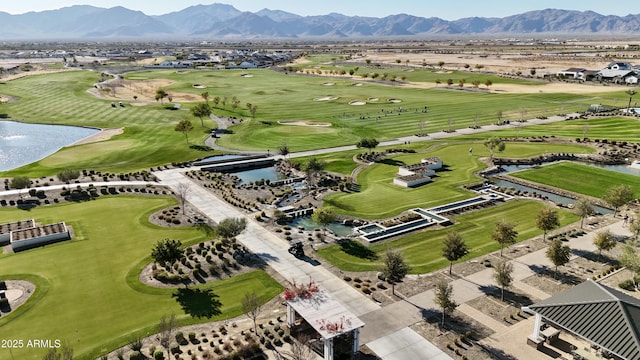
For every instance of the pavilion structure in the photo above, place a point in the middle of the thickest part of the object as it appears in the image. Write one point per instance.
(330, 327)
(607, 318)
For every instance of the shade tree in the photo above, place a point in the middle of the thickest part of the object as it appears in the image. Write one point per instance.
(547, 220)
(559, 254)
(444, 299)
(454, 248)
(231, 227)
(583, 208)
(617, 196)
(504, 233)
(201, 111)
(503, 274)
(394, 268)
(184, 126)
(324, 216)
(604, 240)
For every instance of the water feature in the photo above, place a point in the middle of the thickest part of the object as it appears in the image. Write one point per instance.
(266, 173)
(308, 224)
(625, 169)
(551, 196)
(222, 157)
(22, 143)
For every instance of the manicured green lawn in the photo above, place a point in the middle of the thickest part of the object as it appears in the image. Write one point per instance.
(150, 139)
(380, 198)
(610, 128)
(423, 250)
(582, 179)
(88, 288)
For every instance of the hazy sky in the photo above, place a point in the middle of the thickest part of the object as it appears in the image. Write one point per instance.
(449, 10)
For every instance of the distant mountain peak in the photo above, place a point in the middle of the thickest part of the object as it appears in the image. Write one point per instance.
(223, 20)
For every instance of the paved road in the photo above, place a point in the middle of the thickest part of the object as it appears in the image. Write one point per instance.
(274, 252)
(222, 124)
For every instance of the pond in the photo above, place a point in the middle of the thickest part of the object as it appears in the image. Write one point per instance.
(22, 143)
(309, 225)
(551, 196)
(625, 169)
(267, 173)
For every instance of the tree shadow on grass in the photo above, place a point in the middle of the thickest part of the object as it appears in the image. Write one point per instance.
(392, 162)
(198, 303)
(356, 249)
(338, 205)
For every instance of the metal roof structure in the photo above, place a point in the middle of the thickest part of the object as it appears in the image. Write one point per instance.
(601, 315)
(325, 314)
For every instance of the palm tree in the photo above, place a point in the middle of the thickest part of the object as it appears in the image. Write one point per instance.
(630, 92)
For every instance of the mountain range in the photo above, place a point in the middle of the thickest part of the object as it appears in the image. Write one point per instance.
(224, 22)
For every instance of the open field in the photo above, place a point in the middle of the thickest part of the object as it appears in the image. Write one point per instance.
(574, 177)
(422, 250)
(88, 288)
(380, 198)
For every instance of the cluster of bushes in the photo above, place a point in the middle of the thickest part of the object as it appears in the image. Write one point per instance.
(567, 234)
(199, 261)
(167, 277)
(401, 219)
(366, 285)
(608, 271)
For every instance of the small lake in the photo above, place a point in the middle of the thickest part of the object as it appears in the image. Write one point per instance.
(22, 144)
(253, 175)
(309, 225)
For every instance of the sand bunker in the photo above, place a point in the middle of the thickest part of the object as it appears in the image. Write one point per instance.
(328, 84)
(357, 102)
(326, 98)
(303, 123)
(199, 86)
(356, 84)
(395, 101)
(182, 72)
(104, 134)
(372, 99)
(246, 75)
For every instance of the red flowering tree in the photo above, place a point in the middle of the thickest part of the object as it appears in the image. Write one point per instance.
(301, 291)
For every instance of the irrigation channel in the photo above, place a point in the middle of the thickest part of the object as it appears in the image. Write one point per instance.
(557, 198)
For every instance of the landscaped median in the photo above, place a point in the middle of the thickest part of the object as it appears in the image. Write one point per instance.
(87, 289)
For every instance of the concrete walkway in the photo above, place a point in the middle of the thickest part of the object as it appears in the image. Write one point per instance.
(273, 251)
